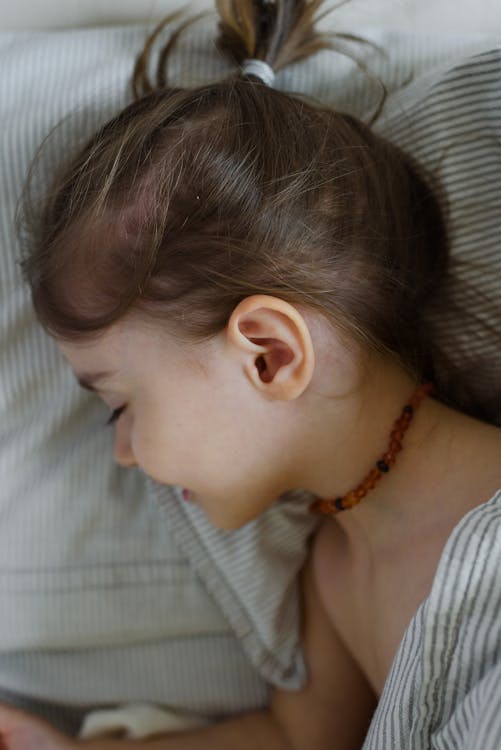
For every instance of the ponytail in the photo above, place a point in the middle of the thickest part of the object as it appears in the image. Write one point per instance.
(276, 32)
(279, 33)
(141, 82)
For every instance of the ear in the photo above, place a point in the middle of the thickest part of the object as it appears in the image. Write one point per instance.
(274, 342)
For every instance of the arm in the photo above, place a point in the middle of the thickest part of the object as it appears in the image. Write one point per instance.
(333, 710)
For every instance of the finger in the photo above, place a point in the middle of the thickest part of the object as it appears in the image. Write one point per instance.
(21, 731)
(11, 717)
(14, 719)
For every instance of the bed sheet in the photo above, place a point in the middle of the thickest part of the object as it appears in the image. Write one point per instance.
(403, 15)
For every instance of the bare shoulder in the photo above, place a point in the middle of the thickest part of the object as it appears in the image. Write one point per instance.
(348, 588)
(334, 568)
(370, 594)
(330, 555)
(337, 701)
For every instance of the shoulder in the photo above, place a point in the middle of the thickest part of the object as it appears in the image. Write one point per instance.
(447, 672)
(337, 700)
(340, 587)
(466, 594)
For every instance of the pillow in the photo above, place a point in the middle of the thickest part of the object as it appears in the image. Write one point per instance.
(112, 588)
(453, 128)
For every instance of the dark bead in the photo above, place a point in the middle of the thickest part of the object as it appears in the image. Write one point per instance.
(408, 409)
(382, 466)
(339, 503)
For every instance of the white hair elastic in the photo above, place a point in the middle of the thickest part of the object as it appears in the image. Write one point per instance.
(260, 69)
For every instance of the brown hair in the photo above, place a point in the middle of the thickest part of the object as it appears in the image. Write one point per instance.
(188, 201)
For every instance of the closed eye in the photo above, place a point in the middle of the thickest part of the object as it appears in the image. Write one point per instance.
(115, 414)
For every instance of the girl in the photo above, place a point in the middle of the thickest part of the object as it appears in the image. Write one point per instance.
(247, 279)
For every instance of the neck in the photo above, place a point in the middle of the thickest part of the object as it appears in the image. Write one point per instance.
(449, 462)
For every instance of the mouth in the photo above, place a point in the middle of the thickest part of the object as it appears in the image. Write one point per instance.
(188, 495)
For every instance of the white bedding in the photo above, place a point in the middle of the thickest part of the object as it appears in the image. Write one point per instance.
(451, 16)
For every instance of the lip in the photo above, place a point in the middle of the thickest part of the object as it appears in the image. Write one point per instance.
(188, 495)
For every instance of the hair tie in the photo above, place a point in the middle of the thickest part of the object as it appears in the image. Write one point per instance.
(260, 69)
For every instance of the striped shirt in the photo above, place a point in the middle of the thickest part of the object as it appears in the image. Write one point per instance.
(444, 688)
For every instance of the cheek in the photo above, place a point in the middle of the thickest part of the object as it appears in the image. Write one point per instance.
(160, 444)
(149, 447)
(121, 440)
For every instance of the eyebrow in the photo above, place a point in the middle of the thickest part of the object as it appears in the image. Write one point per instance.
(88, 380)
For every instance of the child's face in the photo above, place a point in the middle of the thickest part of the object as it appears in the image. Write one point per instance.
(190, 418)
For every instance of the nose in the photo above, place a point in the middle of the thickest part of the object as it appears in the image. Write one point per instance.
(123, 453)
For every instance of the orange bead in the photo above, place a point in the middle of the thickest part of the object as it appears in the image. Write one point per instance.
(323, 506)
(350, 499)
(397, 434)
(331, 506)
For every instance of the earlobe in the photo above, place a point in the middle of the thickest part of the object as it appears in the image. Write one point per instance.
(273, 341)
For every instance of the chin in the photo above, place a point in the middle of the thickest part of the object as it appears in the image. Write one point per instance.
(227, 515)
(228, 521)
(225, 523)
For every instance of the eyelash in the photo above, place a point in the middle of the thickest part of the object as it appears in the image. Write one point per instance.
(115, 414)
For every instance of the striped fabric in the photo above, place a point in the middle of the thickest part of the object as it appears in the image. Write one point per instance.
(444, 688)
(455, 131)
(112, 589)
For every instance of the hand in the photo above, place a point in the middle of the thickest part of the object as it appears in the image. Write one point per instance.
(21, 731)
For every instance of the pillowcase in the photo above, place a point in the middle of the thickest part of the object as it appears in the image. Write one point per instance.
(453, 128)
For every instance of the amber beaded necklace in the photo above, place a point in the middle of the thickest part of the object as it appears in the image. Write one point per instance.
(331, 506)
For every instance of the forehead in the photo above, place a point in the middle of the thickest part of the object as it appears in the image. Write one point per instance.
(131, 346)
(123, 349)
(80, 352)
